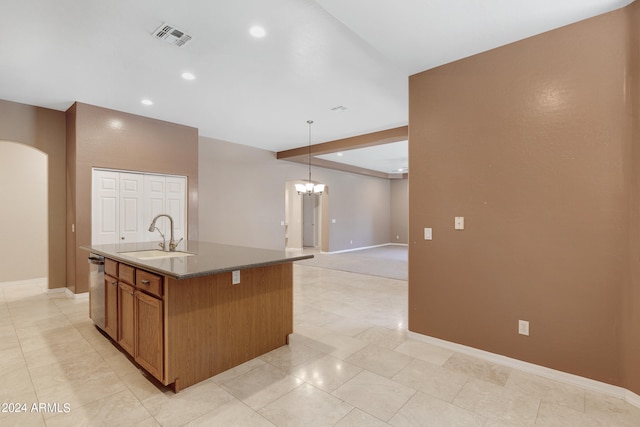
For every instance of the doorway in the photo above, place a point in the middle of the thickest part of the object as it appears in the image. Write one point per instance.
(306, 219)
(24, 180)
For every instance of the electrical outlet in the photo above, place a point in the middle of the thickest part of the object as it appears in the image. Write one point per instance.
(523, 327)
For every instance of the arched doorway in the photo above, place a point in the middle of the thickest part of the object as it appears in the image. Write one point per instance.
(23, 214)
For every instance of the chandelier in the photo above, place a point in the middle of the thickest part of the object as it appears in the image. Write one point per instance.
(309, 187)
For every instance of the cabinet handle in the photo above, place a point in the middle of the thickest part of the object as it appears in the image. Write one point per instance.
(145, 282)
(114, 283)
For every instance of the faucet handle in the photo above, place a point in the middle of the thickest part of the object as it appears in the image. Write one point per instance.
(173, 245)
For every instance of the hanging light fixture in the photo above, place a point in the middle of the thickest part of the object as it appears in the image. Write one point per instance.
(310, 187)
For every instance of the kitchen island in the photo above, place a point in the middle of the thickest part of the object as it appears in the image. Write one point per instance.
(185, 316)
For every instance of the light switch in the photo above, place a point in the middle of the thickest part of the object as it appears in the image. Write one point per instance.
(459, 223)
(235, 277)
(428, 234)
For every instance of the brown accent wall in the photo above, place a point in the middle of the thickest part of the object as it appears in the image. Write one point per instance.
(532, 144)
(43, 129)
(631, 290)
(99, 137)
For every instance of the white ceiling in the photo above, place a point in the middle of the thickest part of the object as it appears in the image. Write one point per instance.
(316, 55)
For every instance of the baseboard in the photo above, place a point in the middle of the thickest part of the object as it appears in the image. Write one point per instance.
(365, 247)
(83, 295)
(542, 371)
(37, 281)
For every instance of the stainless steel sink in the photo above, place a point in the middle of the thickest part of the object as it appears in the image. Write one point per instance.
(155, 254)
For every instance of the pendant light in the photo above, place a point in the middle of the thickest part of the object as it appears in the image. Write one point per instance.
(309, 187)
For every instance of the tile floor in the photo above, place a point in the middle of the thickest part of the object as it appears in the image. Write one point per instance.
(349, 363)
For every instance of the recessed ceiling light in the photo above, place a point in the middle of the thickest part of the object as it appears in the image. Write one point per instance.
(188, 76)
(340, 154)
(147, 102)
(257, 31)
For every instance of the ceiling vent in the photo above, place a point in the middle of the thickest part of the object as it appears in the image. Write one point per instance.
(172, 35)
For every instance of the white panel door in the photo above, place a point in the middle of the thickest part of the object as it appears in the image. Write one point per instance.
(124, 204)
(131, 207)
(154, 195)
(105, 207)
(175, 204)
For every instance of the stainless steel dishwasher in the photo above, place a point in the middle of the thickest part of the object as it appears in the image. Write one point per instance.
(96, 289)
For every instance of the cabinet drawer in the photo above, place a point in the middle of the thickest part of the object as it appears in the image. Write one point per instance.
(126, 273)
(149, 282)
(111, 267)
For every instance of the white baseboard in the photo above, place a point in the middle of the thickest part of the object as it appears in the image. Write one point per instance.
(83, 295)
(552, 374)
(42, 281)
(366, 247)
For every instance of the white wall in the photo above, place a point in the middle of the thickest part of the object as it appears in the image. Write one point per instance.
(23, 213)
(242, 199)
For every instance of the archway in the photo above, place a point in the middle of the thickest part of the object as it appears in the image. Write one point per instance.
(23, 214)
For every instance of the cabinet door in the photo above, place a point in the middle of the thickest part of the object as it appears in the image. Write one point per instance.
(149, 337)
(111, 306)
(126, 323)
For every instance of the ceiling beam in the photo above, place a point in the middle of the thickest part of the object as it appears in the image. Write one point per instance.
(301, 154)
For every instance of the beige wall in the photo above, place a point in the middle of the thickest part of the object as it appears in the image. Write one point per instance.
(399, 211)
(99, 137)
(23, 212)
(242, 199)
(531, 143)
(43, 129)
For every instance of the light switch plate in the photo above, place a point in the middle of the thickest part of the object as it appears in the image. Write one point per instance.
(428, 234)
(235, 277)
(459, 223)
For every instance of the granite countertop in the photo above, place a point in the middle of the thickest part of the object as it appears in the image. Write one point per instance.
(209, 258)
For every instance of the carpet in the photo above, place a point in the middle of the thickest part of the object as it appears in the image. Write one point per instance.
(389, 261)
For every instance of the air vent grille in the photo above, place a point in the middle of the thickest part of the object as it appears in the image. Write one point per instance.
(171, 34)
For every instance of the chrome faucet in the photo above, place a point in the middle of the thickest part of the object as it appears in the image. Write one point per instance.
(172, 242)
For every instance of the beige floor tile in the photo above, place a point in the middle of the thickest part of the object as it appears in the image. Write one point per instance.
(16, 382)
(118, 409)
(231, 414)
(608, 409)
(555, 415)
(384, 337)
(326, 373)
(374, 394)
(497, 402)
(261, 386)
(289, 356)
(171, 409)
(358, 418)
(347, 326)
(59, 351)
(305, 406)
(380, 360)
(337, 345)
(424, 351)
(547, 390)
(234, 372)
(427, 411)
(22, 419)
(432, 379)
(315, 317)
(478, 368)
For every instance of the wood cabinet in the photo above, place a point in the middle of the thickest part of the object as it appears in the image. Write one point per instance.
(126, 318)
(148, 333)
(183, 331)
(111, 306)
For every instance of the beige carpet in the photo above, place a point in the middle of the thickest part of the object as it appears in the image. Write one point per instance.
(384, 261)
